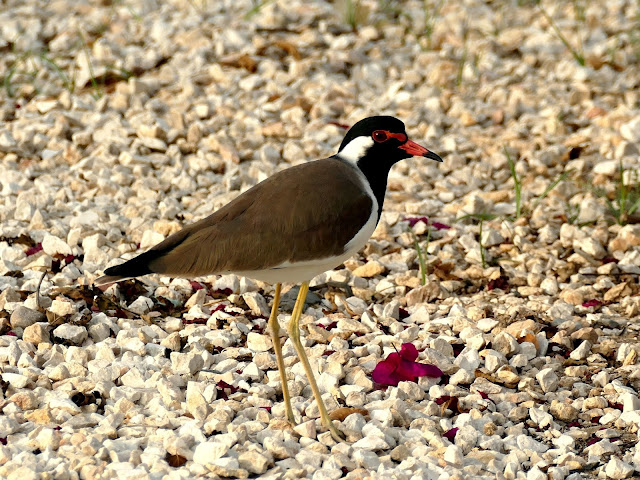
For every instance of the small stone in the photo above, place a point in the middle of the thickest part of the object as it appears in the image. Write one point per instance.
(493, 360)
(571, 296)
(306, 429)
(369, 269)
(372, 443)
(487, 324)
(186, 363)
(53, 245)
(630, 402)
(197, 298)
(617, 469)
(7, 141)
(366, 459)
(73, 334)
(197, 406)
(23, 317)
(628, 237)
(352, 425)
(549, 286)
(173, 342)
(207, 452)
(150, 238)
(507, 376)
(491, 237)
(586, 333)
(563, 411)
(468, 360)
(591, 210)
(16, 380)
(63, 307)
(254, 462)
(614, 293)
(547, 379)
(536, 474)
(37, 333)
(519, 329)
(25, 400)
(582, 352)
(590, 246)
(400, 453)
(631, 130)
(141, 305)
(453, 455)
(505, 343)
(259, 342)
(256, 303)
(279, 448)
(153, 143)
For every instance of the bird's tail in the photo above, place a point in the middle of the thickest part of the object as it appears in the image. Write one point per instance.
(135, 267)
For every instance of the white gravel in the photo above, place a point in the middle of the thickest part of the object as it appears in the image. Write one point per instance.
(122, 121)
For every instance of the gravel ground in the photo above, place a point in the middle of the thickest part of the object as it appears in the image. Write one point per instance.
(123, 120)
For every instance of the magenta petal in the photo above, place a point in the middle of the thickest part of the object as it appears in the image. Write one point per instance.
(406, 371)
(440, 226)
(409, 371)
(425, 370)
(451, 434)
(385, 371)
(413, 220)
(592, 303)
(409, 352)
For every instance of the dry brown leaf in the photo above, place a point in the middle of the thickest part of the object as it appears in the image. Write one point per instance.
(343, 412)
(529, 337)
(240, 61)
(175, 460)
(288, 47)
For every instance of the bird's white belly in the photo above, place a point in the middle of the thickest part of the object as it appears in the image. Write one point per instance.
(297, 272)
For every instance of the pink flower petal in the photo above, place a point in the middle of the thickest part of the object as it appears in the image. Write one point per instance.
(400, 367)
(413, 220)
(440, 226)
(384, 373)
(592, 303)
(451, 434)
(442, 399)
(426, 370)
(33, 250)
(408, 351)
(485, 396)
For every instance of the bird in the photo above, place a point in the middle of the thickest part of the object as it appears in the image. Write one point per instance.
(292, 226)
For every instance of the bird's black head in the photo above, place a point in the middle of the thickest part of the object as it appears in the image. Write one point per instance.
(373, 145)
(382, 140)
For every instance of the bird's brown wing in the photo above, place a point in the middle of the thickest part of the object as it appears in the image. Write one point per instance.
(305, 212)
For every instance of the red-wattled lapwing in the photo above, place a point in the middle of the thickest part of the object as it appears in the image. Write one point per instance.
(289, 228)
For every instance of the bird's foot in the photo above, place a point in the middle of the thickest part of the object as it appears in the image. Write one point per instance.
(291, 418)
(336, 434)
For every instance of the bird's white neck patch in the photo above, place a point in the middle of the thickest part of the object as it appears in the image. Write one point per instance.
(356, 149)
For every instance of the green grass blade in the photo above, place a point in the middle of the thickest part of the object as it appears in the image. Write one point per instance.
(579, 57)
(562, 177)
(517, 183)
(423, 265)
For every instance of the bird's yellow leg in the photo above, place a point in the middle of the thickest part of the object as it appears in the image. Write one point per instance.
(294, 335)
(274, 329)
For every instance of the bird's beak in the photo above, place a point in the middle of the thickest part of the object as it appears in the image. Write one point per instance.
(412, 148)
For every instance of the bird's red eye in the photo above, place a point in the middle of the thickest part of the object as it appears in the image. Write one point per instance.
(380, 136)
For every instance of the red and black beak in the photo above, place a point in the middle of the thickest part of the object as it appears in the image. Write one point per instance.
(412, 148)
